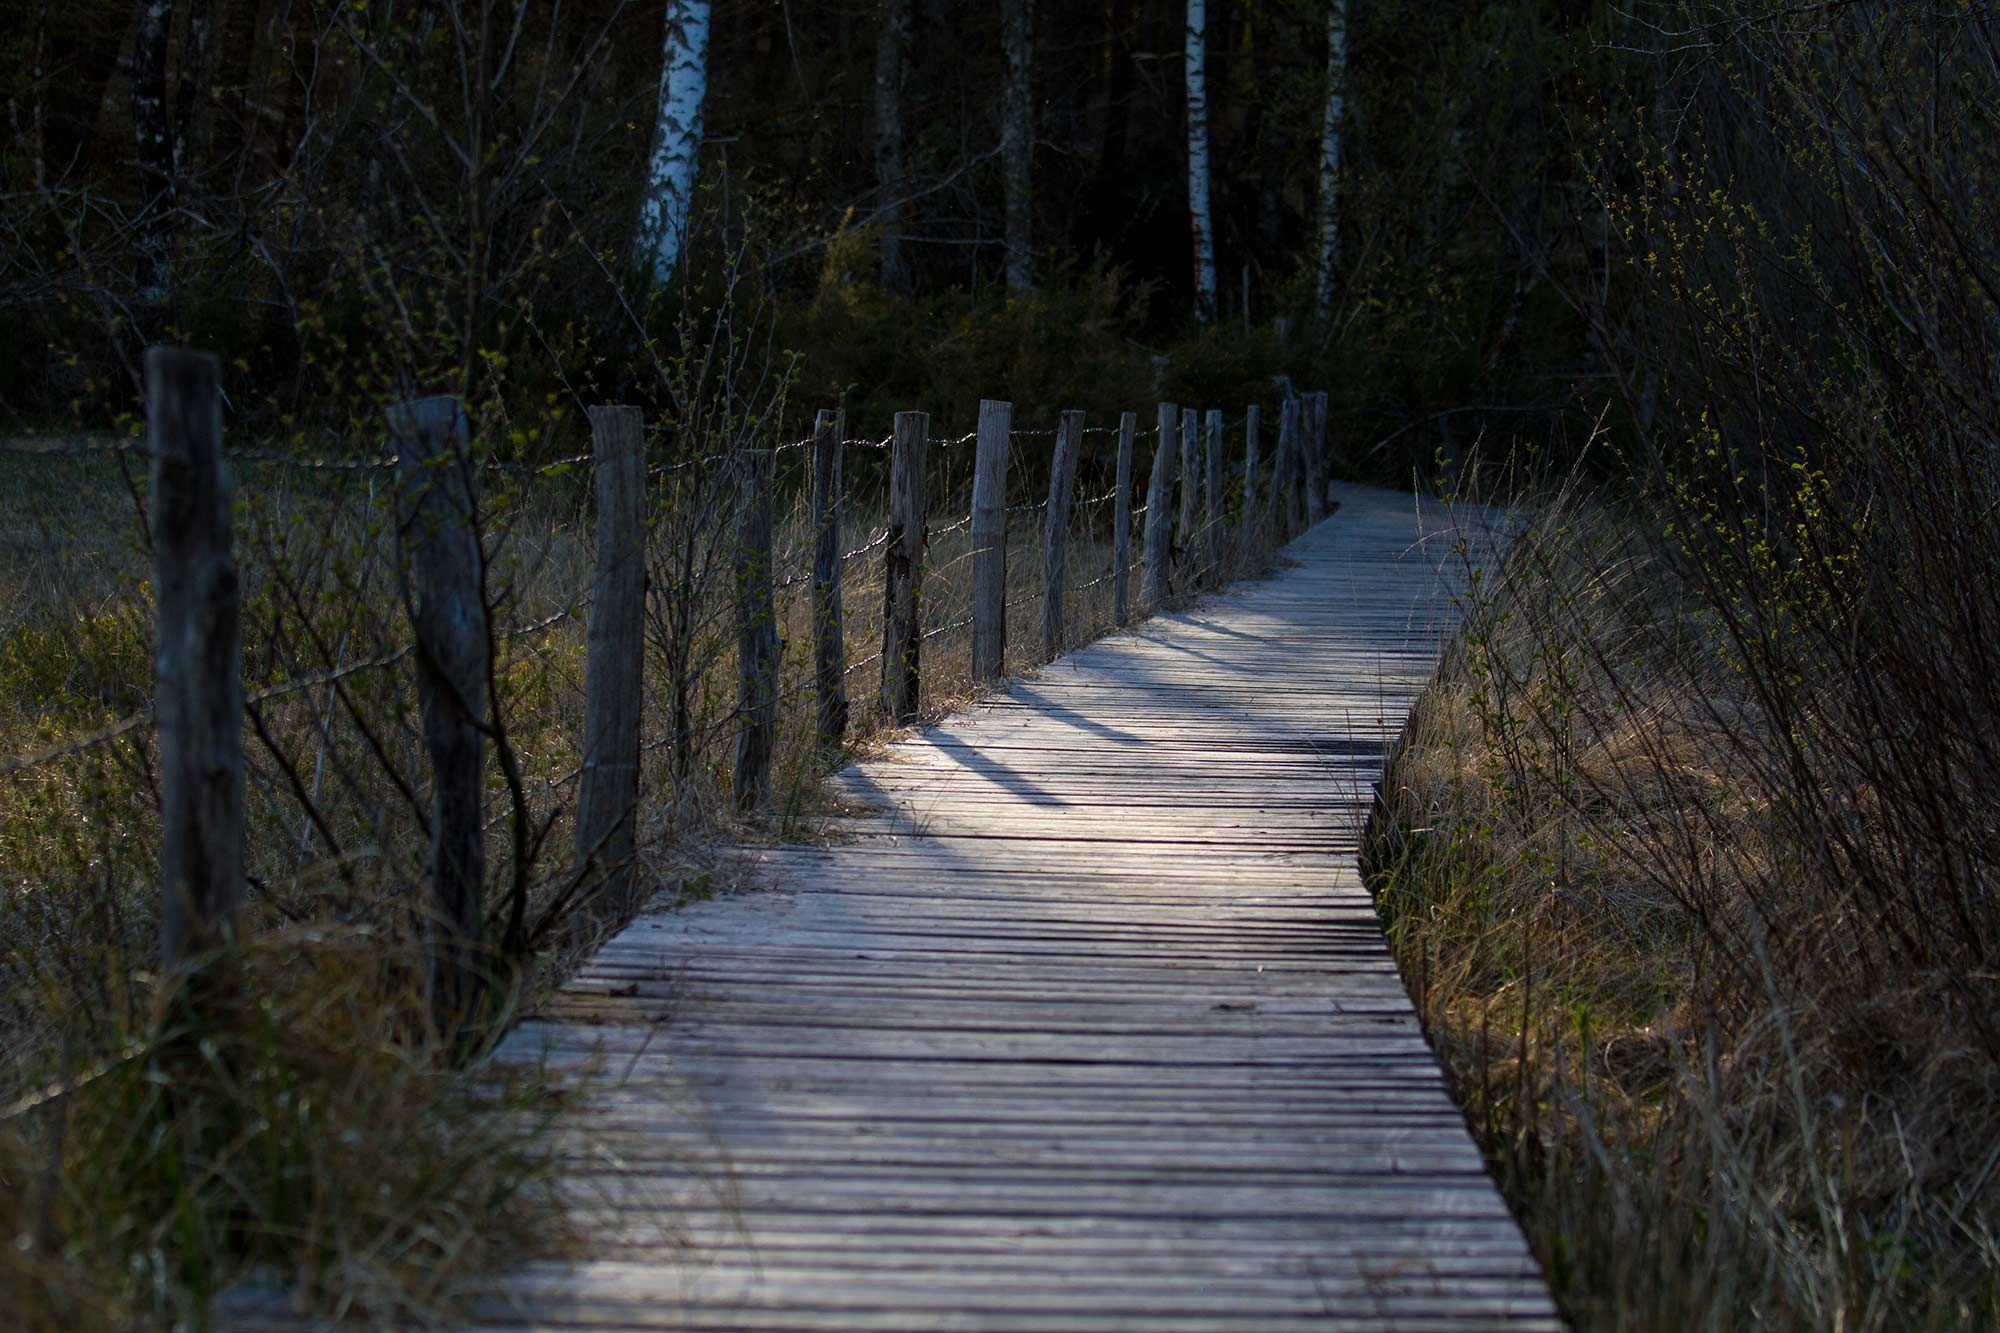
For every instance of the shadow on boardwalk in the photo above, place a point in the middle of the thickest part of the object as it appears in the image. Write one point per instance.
(1093, 1027)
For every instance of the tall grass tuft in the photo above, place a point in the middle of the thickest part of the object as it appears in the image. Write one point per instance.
(1688, 857)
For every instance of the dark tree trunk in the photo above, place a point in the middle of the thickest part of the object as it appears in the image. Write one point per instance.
(891, 45)
(153, 132)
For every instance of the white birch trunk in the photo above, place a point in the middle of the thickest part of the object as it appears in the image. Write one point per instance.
(1200, 219)
(1329, 156)
(670, 176)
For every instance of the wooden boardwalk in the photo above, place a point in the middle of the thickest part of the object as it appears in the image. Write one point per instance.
(1091, 1027)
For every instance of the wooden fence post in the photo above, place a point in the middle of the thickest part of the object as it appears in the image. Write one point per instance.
(1312, 448)
(829, 642)
(989, 541)
(1159, 518)
(607, 798)
(1323, 447)
(1212, 485)
(1248, 514)
(1292, 495)
(1190, 478)
(441, 566)
(1055, 532)
(756, 632)
(198, 676)
(903, 567)
(1121, 521)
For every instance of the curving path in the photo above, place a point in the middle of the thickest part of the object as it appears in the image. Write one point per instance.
(1091, 1027)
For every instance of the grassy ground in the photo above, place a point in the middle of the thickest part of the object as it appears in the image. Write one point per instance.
(1718, 1087)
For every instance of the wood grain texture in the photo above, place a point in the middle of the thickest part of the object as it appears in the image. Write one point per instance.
(440, 562)
(197, 668)
(608, 791)
(1159, 514)
(1086, 1024)
(829, 641)
(1055, 532)
(903, 568)
(1121, 522)
(989, 540)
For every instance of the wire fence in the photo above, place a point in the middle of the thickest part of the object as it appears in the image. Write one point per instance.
(335, 765)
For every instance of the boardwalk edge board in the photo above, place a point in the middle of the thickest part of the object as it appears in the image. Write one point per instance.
(1089, 1024)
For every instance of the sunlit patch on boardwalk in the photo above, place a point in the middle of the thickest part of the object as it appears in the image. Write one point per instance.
(1091, 1027)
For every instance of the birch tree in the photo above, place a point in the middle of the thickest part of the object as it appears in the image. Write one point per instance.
(890, 46)
(670, 175)
(1329, 156)
(1201, 220)
(1017, 141)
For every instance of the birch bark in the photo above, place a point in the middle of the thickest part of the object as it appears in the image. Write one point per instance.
(1017, 141)
(670, 175)
(1329, 156)
(1201, 220)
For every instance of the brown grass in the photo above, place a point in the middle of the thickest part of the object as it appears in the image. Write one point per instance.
(1591, 877)
(302, 1131)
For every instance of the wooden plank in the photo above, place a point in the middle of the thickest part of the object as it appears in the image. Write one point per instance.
(989, 540)
(1250, 515)
(1187, 565)
(829, 641)
(903, 568)
(1212, 493)
(1055, 532)
(607, 799)
(1121, 522)
(1159, 518)
(440, 563)
(1085, 1021)
(197, 670)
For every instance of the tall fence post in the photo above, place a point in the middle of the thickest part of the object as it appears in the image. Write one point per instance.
(903, 567)
(1212, 486)
(198, 676)
(1190, 478)
(829, 642)
(989, 541)
(756, 632)
(1296, 483)
(1159, 517)
(608, 793)
(1055, 532)
(1121, 521)
(1312, 447)
(1248, 513)
(441, 566)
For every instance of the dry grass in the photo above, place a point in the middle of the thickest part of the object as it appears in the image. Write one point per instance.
(303, 1130)
(1714, 1097)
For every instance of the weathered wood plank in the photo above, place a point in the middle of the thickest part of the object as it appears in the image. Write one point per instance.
(1121, 521)
(989, 540)
(1055, 532)
(608, 791)
(903, 568)
(1159, 516)
(441, 562)
(829, 641)
(1087, 1024)
(198, 678)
